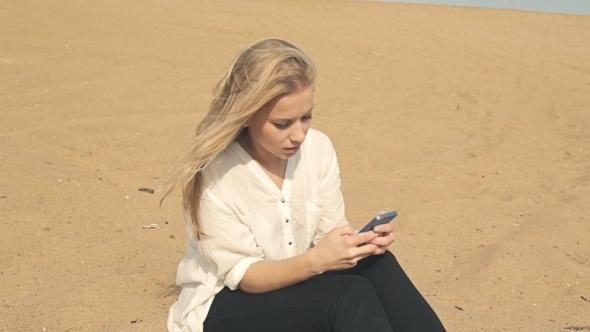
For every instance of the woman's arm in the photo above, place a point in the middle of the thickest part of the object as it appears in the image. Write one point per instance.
(330, 192)
(338, 250)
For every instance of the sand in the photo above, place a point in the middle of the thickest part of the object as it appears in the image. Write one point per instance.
(472, 123)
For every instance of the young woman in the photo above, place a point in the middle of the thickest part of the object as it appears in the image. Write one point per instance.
(269, 246)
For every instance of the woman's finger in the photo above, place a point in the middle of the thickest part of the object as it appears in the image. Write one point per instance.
(383, 240)
(380, 242)
(360, 238)
(343, 230)
(363, 251)
(383, 228)
(381, 250)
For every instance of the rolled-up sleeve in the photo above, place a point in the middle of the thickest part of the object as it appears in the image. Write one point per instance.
(228, 243)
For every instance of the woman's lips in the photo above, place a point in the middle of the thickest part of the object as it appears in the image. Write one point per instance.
(292, 150)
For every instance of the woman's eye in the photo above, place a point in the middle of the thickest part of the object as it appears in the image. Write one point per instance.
(281, 125)
(309, 117)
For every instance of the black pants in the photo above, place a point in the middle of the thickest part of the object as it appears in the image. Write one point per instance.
(376, 295)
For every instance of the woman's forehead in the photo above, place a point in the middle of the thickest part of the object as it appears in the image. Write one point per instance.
(292, 104)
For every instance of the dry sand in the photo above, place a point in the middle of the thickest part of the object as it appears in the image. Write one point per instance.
(473, 123)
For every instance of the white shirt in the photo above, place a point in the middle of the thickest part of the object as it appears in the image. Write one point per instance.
(247, 218)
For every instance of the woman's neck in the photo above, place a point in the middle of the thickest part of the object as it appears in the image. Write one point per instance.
(274, 166)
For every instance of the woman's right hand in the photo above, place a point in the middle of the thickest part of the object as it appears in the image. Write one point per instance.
(339, 249)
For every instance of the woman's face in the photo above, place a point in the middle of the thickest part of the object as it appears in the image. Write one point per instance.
(277, 130)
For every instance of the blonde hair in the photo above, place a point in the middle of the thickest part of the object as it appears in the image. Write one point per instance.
(261, 72)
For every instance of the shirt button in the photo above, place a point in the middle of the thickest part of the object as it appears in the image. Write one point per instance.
(290, 243)
(286, 220)
(283, 200)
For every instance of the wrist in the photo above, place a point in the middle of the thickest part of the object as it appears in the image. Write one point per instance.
(312, 262)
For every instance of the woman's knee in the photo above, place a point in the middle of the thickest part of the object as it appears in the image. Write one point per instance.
(389, 257)
(386, 258)
(339, 287)
(357, 283)
(356, 288)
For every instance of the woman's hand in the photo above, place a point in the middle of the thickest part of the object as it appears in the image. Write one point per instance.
(342, 248)
(339, 249)
(384, 240)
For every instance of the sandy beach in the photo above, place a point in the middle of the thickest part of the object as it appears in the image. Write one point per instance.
(473, 123)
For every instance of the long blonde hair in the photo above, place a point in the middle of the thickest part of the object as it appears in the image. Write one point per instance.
(261, 72)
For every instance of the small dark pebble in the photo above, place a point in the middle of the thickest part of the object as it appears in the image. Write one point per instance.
(585, 299)
(133, 321)
(149, 190)
(172, 236)
(459, 308)
(166, 223)
(577, 328)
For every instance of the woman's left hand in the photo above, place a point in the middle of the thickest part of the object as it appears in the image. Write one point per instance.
(384, 240)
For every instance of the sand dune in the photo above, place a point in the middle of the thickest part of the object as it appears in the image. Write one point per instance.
(473, 123)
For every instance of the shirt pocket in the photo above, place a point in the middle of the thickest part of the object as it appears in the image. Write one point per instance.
(313, 214)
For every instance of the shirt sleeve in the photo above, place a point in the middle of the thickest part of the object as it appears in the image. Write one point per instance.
(228, 243)
(333, 210)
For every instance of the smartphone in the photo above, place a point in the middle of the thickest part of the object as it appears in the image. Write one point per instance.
(379, 220)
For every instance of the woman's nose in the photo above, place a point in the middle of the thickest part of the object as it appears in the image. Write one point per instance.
(298, 133)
